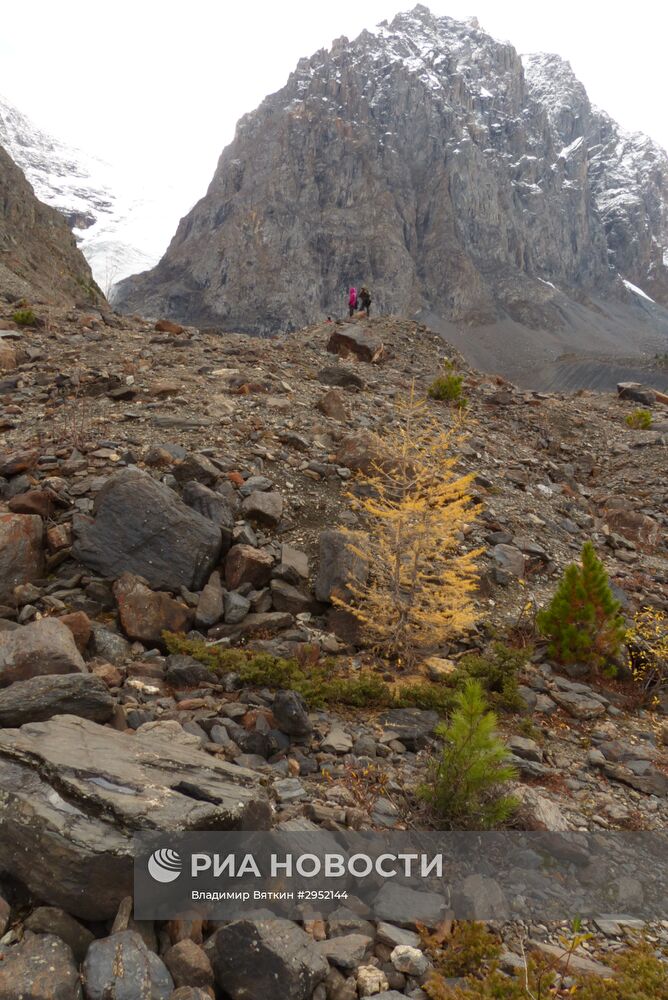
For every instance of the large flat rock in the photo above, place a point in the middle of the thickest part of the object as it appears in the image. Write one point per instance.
(40, 698)
(142, 527)
(73, 792)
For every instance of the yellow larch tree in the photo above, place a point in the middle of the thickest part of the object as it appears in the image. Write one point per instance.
(414, 509)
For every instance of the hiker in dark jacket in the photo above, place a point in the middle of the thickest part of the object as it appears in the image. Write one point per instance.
(365, 299)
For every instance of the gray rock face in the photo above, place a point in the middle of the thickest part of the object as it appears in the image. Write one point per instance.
(434, 166)
(43, 260)
(142, 527)
(122, 967)
(70, 842)
(43, 647)
(40, 698)
(40, 967)
(266, 958)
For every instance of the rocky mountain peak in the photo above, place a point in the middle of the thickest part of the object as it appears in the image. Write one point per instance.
(429, 160)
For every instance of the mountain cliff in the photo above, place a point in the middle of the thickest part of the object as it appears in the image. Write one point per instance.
(430, 161)
(39, 258)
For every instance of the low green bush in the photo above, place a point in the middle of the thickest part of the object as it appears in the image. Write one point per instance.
(465, 787)
(639, 420)
(24, 317)
(447, 389)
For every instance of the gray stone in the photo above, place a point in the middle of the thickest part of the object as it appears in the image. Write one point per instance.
(285, 597)
(185, 671)
(210, 605)
(636, 392)
(289, 710)
(52, 920)
(40, 698)
(122, 967)
(72, 792)
(337, 741)
(109, 645)
(236, 607)
(525, 748)
(289, 790)
(413, 726)
(265, 509)
(398, 904)
(43, 647)
(346, 952)
(295, 560)
(509, 559)
(339, 566)
(578, 705)
(142, 527)
(40, 967)
(390, 935)
(266, 958)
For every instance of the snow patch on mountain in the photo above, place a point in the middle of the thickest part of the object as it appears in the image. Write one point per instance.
(119, 229)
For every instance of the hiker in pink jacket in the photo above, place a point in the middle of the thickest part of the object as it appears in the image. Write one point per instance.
(352, 301)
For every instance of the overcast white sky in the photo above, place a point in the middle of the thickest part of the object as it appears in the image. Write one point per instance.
(160, 85)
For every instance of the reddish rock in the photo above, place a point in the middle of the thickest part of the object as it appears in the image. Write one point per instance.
(188, 964)
(8, 357)
(107, 673)
(638, 528)
(244, 564)
(146, 614)
(21, 554)
(80, 626)
(332, 405)
(59, 537)
(361, 452)
(16, 464)
(350, 340)
(38, 502)
(167, 326)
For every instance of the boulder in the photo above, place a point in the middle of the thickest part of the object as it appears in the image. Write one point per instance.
(263, 508)
(333, 406)
(509, 559)
(72, 793)
(189, 964)
(39, 502)
(340, 375)
(21, 552)
(352, 341)
(43, 647)
(245, 564)
(142, 527)
(295, 563)
(362, 451)
(413, 726)
(40, 967)
(52, 920)
(168, 326)
(186, 671)
(285, 597)
(145, 615)
(289, 710)
(636, 392)
(347, 951)
(339, 566)
(266, 958)
(121, 966)
(637, 527)
(40, 698)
